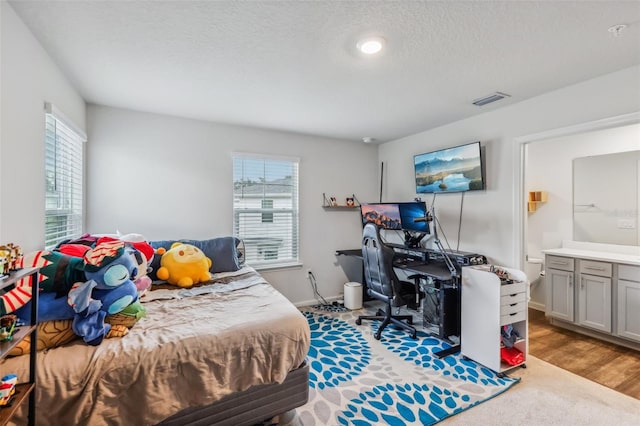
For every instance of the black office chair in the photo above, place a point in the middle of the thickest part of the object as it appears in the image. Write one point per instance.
(383, 284)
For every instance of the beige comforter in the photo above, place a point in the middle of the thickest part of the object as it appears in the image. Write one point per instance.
(193, 348)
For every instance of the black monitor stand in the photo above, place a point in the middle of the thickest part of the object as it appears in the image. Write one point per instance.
(412, 239)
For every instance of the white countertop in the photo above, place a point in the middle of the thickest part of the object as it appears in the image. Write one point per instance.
(628, 259)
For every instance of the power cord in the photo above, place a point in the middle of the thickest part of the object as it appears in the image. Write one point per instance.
(314, 286)
(325, 305)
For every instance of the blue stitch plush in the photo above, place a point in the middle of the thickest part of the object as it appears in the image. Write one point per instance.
(109, 289)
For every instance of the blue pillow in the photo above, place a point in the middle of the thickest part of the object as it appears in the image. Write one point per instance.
(222, 252)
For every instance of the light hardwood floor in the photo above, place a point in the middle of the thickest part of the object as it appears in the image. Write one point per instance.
(613, 366)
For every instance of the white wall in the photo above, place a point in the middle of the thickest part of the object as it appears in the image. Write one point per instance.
(168, 177)
(489, 216)
(28, 78)
(549, 167)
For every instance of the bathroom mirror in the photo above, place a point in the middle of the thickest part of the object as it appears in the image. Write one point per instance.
(605, 198)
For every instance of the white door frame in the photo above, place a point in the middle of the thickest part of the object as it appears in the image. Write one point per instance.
(520, 231)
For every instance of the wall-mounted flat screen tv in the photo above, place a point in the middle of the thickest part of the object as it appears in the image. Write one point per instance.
(449, 170)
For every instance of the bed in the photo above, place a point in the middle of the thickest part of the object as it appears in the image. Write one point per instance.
(231, 351)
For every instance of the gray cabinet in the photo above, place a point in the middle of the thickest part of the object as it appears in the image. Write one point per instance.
(560, 293)
(594, 295)
(594, 298)
(629, 302)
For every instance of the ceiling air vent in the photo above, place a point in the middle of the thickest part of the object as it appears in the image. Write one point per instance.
(490, 98)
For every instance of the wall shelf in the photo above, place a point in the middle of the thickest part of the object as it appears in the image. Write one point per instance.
(327, 204)
(535, 198)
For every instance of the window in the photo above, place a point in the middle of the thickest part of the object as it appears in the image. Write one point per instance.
(267, 217)
(265, 208)
(63, 178)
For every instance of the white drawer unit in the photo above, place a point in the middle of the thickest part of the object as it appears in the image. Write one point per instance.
(512, 317)
(513, 298)
(515, 288)
(487, 304)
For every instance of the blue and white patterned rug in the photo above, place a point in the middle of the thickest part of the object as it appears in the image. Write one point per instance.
(357, 380)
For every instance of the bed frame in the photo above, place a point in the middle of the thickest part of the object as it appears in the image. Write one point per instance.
(249, 407)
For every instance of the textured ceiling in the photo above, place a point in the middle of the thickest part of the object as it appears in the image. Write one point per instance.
(293, 66)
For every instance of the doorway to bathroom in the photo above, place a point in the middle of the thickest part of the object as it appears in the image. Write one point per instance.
(580, 187)
(546, 179)
(546, 191)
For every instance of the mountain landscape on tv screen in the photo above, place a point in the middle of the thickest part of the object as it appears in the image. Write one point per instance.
(455, 174)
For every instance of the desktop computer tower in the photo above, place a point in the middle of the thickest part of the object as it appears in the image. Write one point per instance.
(440, 311)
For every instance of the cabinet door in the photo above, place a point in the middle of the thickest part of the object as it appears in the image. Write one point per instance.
(559, 294)
(629, 309)
(594, 302)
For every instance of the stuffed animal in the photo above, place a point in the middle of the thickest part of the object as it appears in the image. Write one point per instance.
(142, 254)
(184, 265)
(108, 290)
(57, 275)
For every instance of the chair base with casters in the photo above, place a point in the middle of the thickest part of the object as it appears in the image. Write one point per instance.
(388, 318)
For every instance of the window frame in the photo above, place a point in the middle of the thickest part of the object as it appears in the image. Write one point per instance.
(64, 173)
(262, 247)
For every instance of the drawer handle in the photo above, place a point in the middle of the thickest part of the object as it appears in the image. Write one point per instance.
(515, 313)
(593, 268)
(557, 262)
(513, 295)
(513, 304)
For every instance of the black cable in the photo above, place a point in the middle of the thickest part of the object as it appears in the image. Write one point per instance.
(314, 286)
(460, 220)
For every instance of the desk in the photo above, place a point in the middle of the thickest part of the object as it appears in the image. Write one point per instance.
(441, 306)
(436, 270)
(351, 252)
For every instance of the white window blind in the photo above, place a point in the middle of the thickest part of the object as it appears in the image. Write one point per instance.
(63, 181)
(265, 209)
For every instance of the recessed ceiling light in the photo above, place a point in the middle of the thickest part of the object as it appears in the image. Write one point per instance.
(368, 139)
(370, 45)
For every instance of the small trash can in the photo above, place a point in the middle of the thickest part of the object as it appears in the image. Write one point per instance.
(353, 295)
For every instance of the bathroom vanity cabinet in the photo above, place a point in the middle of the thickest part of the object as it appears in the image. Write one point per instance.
(628, 302)
(594, 293)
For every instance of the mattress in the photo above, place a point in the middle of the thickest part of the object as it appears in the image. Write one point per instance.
(195, 347)
(255, 405)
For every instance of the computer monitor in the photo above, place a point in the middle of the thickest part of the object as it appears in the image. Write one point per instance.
(384, 215)
(413, 216)
(397, 216)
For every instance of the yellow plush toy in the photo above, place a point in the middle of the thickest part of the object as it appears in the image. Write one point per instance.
(184, 265)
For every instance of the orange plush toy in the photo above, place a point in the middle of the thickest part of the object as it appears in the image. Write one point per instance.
(184, 265)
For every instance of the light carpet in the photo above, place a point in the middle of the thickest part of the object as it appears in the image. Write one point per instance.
(357, 380)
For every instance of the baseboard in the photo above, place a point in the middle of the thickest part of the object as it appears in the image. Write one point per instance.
(537, 306)
(318, 301)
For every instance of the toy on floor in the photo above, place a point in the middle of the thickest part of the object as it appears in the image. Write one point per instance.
(184, 265)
